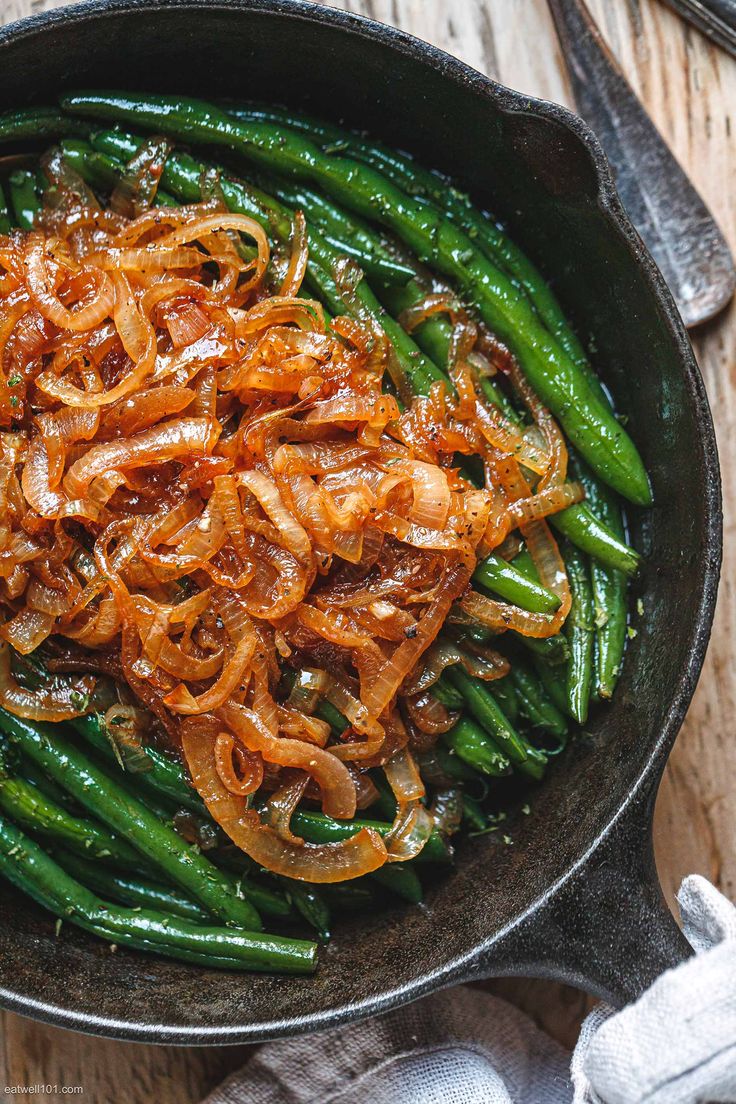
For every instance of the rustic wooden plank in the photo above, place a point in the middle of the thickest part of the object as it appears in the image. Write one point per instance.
(689, 88)
(107, 1071)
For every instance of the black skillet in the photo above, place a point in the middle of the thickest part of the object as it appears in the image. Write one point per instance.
(575, 896)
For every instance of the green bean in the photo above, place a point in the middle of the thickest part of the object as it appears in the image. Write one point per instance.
(263, 898)
(38, 122)
(609, 591)
(473, 815)
(475, 632)
(579, 630)
(163, 199)
(488, 713)
(28, 770)
(476, 747)
(401, 879)
(166, 776)
(609, 596)
(505, 694)
(24, 198)
(310, 904)
(375, 268)
(37, 813)
(352, 896)
(95, 168)
(29, 868)
(525, 565)
(441, 765)
(593, 535)
(5, 221)
(554, 681)
(128, 890)
(112, 805)
(534, 704)
(346, 233)
(557, 380)
(334, 718)
(447, 695)
(506, 581)
(318, 828)
(553, 649)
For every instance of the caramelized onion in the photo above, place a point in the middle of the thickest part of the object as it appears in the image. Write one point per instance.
(247, 776)
(429, 715)
(61, 701)
(333, 779)
(320, 863)
(483, 663)
(298, 260)
(412, 824)
(206, 477)
(41, 285)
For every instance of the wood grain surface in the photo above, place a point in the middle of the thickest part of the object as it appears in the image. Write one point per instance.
(689, 87)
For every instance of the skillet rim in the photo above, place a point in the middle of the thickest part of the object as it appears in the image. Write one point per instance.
(507, 101)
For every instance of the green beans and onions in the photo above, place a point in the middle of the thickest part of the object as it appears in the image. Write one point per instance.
(286, 449)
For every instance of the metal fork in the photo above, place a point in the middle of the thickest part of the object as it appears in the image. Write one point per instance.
(677, 227)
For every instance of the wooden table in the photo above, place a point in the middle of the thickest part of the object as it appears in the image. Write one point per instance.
(689, 88)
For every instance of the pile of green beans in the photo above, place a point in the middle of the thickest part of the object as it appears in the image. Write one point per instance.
(106, 847)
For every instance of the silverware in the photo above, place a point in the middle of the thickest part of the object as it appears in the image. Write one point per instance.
(715, 18)
(677, 227)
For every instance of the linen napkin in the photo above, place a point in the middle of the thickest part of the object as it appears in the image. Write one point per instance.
(675, 1045)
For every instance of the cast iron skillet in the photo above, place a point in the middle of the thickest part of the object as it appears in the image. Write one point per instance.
(576, 896)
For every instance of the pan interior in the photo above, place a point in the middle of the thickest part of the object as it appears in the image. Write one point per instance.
(523, 161)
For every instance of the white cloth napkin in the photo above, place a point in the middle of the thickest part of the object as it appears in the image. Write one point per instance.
(675, 1045)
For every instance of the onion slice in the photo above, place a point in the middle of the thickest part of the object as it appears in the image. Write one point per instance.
(319, 863)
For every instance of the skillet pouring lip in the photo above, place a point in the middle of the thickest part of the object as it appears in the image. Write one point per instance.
(507, 102)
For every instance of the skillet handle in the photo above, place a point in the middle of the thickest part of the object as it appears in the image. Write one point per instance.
(607, 929)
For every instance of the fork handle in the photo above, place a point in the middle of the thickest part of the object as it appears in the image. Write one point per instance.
(665, 208)
(715, 18)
